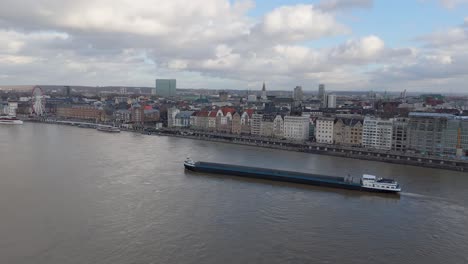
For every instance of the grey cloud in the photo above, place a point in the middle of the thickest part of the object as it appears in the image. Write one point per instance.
(336, 5)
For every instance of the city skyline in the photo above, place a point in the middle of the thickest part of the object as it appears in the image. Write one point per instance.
(354, 45)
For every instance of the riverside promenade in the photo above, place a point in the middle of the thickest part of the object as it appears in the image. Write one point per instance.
(325, 149)
(447, 163)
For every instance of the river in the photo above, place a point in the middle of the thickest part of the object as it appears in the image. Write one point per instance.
(75, 195)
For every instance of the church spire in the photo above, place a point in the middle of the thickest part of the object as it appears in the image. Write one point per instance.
(264, 95)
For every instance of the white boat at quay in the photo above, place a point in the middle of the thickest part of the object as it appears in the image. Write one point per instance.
(10, 120)
(110, 129)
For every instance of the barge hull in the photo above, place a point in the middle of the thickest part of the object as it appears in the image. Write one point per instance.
(279, 175)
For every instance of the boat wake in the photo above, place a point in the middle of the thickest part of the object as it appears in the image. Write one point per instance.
(429, 197)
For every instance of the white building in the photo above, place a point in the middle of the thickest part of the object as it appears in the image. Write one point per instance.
(278, 126)
(171, 116)
(324, 130)
(377, 133)
(12, 107)
(256, 124)
(296, 127)
(331, 101)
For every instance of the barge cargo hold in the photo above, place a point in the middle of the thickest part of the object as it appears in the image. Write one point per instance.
(368, 183)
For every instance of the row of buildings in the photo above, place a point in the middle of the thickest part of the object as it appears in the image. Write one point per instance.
(246, 122)
(426, 133)
(137, 113)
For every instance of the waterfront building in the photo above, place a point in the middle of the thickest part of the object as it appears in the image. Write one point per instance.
(150, 115)
(296, 128)
(278, 126)
(212, 120)
(298, 95)
(200, 120)
(224, 119)
(331, 101)
(456, 136)
(437, 133)
(426, 132)
(122, 116)
(256, 124)
(246, 120)
(165, 88)
(171, 114)
(236, 123)
(4, 108)
(82, 112)
(377, 133)
(348, 131)
(266, 126)
(400, 134)
(137, 111)
(183, 118)
(312, 128)
(324, 130)
(12, 107)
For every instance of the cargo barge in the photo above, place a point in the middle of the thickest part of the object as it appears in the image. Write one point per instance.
(368, 183)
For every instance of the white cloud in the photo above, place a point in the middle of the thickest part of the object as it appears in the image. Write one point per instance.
(452, 3)
(300, 22)
(363, 49)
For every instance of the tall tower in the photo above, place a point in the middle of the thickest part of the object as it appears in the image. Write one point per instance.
(331, 101)
(321, 95)
(264, 95)
(298, 95)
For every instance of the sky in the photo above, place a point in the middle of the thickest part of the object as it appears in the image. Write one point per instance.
(417, 45)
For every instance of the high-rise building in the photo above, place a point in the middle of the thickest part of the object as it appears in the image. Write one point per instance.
(298, 94)
(165, 88)
(67, 91)
(331, 101)
(377, 133)
(321, 95)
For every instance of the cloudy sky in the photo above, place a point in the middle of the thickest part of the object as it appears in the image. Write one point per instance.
(418, 45)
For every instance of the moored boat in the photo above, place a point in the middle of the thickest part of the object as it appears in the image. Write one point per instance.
(110, 129)
(369, 183)
(10, 120)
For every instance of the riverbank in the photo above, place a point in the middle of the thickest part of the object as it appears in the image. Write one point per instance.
(306, 147)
